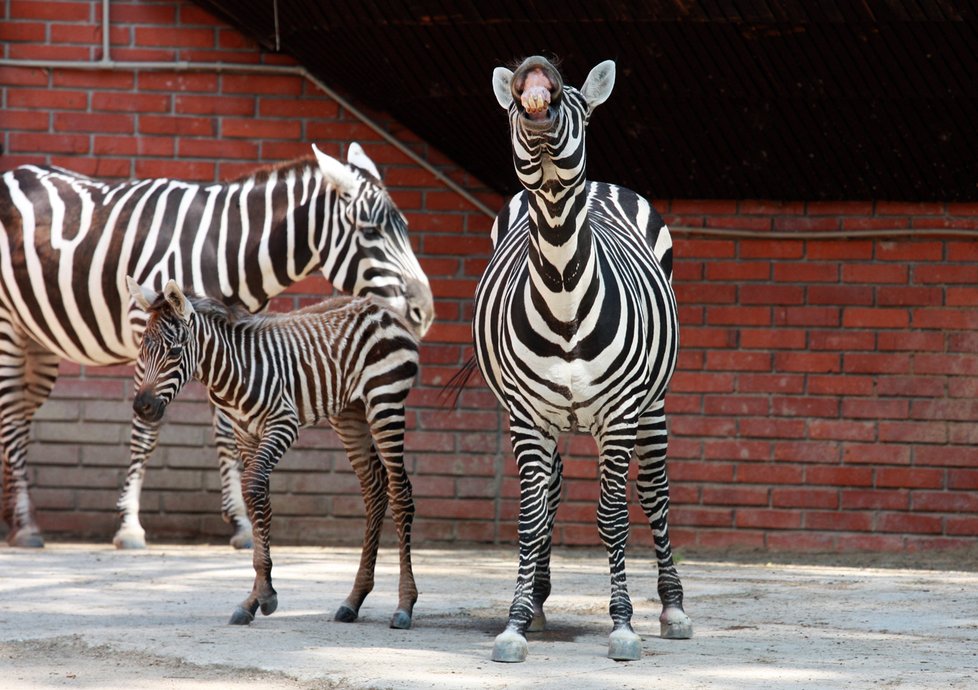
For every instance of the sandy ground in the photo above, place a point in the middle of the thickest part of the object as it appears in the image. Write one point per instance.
(87, 616)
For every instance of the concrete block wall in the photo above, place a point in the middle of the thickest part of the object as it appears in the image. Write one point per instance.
(825, 396)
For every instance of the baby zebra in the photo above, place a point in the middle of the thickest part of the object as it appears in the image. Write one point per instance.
(348, 360)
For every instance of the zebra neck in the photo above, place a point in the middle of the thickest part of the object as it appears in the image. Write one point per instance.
(563, 270)
(220, 366)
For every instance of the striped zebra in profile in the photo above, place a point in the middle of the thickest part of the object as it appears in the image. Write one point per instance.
(349, 360)
(575, 329)
(67, 243)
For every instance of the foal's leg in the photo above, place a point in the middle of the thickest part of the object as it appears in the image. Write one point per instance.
(259, 461)
(233, 508)
(535, 454)
(387, 428)
(616, 443)
(653, 494)
(351, 426)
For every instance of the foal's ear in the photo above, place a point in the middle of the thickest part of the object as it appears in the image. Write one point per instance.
(142, 296)
(177, 300)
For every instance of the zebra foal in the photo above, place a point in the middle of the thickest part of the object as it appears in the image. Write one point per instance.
(351, 361)
(575, 329)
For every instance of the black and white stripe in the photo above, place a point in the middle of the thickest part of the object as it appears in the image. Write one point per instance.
(349, 360)
(576, 329)
(67, 243)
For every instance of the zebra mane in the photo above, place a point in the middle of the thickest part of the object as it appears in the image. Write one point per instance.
(262, 174)
(206, 306)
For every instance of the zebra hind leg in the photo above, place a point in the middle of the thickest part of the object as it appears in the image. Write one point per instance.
(233, 508)
(27, 375)
(653, 492)
(353, 431)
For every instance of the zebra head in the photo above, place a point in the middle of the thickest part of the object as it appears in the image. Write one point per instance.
(547, 118)
(168, 352)
(375, 254)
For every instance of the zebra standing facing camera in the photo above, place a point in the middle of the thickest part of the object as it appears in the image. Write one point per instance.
(349, 360)
(575, 329)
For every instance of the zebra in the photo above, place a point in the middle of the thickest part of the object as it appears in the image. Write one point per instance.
(575, 328)
(67, 243)
(349, 360)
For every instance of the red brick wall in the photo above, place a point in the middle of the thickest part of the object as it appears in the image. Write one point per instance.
(824, 398)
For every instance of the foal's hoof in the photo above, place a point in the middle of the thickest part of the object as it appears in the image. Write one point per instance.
(128, 538)
(510, 647)
(269, 605)
(241, 616)
(674, 624)
(26, 539)
(344, 614)
(401, 620)
(624, 645)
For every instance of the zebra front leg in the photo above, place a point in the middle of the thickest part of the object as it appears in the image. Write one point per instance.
(142, 442)
(616, 445)
(258, 467)
(233, 508)
(534, 459)
(653, 494)
(354, 432)
(541, 582)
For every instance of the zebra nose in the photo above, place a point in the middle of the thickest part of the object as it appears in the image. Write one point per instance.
(148, 407)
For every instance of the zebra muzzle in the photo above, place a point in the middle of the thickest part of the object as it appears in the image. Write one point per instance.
(148, 407)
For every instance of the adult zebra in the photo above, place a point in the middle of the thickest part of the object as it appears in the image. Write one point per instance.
(67, 243)
(575, 329)
(349, 360)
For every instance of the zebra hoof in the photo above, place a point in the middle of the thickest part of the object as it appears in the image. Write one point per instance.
(509, 648)
(344, 614)
(242, 540)
(129, 539)
(538, 623)
(241, 616)
(269, 605)
(26, 538)
(401, 620)
(624, 644)
(674, 624)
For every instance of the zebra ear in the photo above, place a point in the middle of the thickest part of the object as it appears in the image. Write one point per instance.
(177, 300)
(501, 80)
(336, 173)
(355, 155)
(599, 83)
(142, 296)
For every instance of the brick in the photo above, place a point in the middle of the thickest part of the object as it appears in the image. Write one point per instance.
(261, 129)
(842, 340)
(174, 36)
(771, 249)
(875, 408)
(837, 250)
(767, 519)
(59, 99)
(40, 142)
(915, 432)
(192, 104)
(806, 272)
(736, 449)
(919, 341)
(794, 406)
(810, 362)
(837, 475)
(94, 122)
(738, 361)
(322, 109)
(840, 294)
(277, 84)
(770, 473)
(910, 251)
(872, 499)
(875, 274)
(806, 451)
(56, 11)
(132, 103)
(962, 479)
(894, 296)
(944, 274)
(95, 79)
(738, 271)
(946, 456)
(838, 521)
(891, 363)
(841, 429)
(183, 126)
(965, 526)
(772, 428)
(914, 524)
(840, 385)
(178, 81)
(807, 316)
(179, 170)
(772, 294)
(909, 478)
(825, 499)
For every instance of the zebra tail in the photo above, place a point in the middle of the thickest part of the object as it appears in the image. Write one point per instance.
(453, 389)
